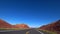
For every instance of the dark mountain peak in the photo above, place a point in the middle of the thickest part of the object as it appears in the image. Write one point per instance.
(58, 21)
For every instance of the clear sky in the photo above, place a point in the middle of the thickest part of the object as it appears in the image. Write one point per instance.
(35, 13)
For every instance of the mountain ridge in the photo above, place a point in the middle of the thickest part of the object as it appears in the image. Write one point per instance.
(4, 24)
(55, 27)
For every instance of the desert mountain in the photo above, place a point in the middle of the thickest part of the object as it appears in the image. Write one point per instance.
(55, 26)
(22, 26)
(4, 24)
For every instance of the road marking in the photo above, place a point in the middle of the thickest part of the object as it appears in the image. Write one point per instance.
(40, 32)
(27, 32)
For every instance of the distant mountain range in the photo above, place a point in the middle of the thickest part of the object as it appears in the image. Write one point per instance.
(55, 26)
(4, 24)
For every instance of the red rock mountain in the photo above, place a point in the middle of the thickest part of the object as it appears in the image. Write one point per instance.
(22, 26)
(4, 24)
(52, 27)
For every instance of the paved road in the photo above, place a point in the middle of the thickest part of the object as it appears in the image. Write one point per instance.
(33, 31)
(29, 31)
(14, 32)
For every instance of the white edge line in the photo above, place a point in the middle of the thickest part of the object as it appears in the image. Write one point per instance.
(40, 32)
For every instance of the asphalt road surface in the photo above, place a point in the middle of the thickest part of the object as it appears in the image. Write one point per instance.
(29, 31)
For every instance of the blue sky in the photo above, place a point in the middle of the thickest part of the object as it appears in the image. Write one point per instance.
(35, 13)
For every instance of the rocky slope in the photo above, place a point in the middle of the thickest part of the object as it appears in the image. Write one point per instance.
(22, 26)
(55, 26)
(4, 24)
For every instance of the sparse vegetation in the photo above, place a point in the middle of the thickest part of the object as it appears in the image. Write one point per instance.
(49, 32)
(11, 29)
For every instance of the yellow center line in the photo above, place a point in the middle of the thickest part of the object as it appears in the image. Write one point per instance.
(27, 32)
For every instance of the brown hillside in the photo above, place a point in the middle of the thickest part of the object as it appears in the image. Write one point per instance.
(21, 26)
(4, 24)
(52, 27)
